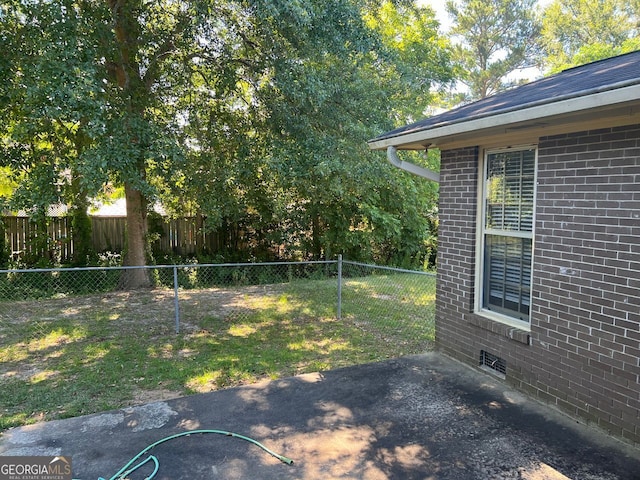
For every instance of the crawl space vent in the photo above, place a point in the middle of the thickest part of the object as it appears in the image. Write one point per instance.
(493, 364)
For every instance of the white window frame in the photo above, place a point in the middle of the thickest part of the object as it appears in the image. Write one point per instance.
(482, 231)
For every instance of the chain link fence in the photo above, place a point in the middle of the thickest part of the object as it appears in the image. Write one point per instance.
(198, 328)
(381, 297)
(393, 305)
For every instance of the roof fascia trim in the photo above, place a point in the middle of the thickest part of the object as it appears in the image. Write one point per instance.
(538, 112)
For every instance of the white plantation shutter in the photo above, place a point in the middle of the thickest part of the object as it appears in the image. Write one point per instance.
(509, 186)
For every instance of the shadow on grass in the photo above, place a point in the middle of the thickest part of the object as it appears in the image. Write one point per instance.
(74, 356)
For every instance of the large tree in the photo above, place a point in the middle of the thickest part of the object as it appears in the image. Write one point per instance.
(44, 96)
(580, 31)
(285, 149)
(78, 107)
(253, 113)
(494, 39)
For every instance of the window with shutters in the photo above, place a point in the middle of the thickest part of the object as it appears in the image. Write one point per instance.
(507, 232)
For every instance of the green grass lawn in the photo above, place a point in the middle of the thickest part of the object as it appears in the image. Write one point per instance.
(73, 356)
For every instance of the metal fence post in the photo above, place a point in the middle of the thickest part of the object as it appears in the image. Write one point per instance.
(176, 304)
(339, 313)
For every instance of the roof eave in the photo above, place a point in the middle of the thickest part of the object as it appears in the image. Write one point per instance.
(435, 136)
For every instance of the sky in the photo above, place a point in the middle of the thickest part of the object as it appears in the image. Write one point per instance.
(440, 9)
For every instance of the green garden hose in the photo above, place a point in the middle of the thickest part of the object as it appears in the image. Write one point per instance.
(128, 468)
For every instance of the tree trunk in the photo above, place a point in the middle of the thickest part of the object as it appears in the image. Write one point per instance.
(127, 76)
(136, 237)
(81, 233)
(80, 221)
(316, 233)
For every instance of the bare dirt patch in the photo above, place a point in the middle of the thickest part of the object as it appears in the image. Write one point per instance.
(140, 397)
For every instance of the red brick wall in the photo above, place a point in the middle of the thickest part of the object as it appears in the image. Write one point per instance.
(583, 352)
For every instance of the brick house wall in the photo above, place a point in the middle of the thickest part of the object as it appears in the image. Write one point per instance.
(582, 354)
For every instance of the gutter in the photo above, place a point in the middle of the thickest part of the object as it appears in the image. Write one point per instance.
(392, 156)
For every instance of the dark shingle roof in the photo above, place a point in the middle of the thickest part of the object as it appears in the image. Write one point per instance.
(600, 76)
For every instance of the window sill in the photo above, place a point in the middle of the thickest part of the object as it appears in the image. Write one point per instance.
(519, 334)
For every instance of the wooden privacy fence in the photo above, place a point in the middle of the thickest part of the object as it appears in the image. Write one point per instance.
(181, 236)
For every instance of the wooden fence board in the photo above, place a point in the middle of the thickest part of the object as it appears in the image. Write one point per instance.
(181, 236)
(108, 233)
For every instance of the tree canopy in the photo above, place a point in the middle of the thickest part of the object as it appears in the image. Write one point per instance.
(495, 38)
(576, 32)
(254, 114)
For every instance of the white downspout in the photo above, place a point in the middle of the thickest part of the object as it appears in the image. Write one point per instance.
(392, 156)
